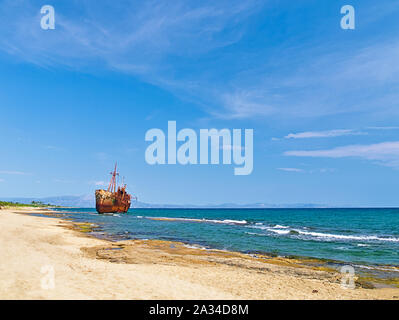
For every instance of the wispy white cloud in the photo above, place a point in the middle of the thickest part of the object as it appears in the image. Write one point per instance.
(140, 38)
(332, 133)
(18, 173)
(321, 170)
(99, 183)
(291, 169)
(383, 128)
(366, 80)
(245, 104)
(323, 134)
(145, 39)
(386, 152)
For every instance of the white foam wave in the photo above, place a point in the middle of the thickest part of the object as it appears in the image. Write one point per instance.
(344, 237)
(387, 268)
(260, 227)
(275, 229)
(284, 230)
(189, 246)
(226, 221)
(279, 231)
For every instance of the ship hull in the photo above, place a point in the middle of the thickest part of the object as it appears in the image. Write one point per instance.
(107, 202)
(109, 208)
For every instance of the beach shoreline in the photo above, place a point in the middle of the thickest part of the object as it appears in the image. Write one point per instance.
(85, 267)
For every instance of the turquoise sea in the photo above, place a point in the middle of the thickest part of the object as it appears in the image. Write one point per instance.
(367, 237)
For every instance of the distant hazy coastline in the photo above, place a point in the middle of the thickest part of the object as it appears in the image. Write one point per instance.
(88, 201)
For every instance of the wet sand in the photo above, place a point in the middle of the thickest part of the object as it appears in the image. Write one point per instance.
(43, 258)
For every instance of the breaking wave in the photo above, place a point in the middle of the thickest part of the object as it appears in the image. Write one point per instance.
(226, 221)
(284, 230)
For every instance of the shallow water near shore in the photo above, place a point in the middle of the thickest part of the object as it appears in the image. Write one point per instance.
(358, 236)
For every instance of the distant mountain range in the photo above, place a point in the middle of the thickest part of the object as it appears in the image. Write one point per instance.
(88, 201)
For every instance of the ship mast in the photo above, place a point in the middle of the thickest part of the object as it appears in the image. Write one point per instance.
(112, 183)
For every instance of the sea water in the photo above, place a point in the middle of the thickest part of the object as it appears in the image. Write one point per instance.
(357, 236)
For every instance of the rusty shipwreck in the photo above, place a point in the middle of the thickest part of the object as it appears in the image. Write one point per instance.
(115, 199)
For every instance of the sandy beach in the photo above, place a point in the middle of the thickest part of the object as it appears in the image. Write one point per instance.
(51, 258)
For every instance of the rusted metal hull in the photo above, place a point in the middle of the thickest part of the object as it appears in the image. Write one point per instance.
(112, 202)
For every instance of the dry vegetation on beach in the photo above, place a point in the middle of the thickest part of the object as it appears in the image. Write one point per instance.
(33, 204)
(89, 268)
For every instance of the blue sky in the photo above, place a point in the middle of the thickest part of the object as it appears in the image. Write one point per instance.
(323, 102)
